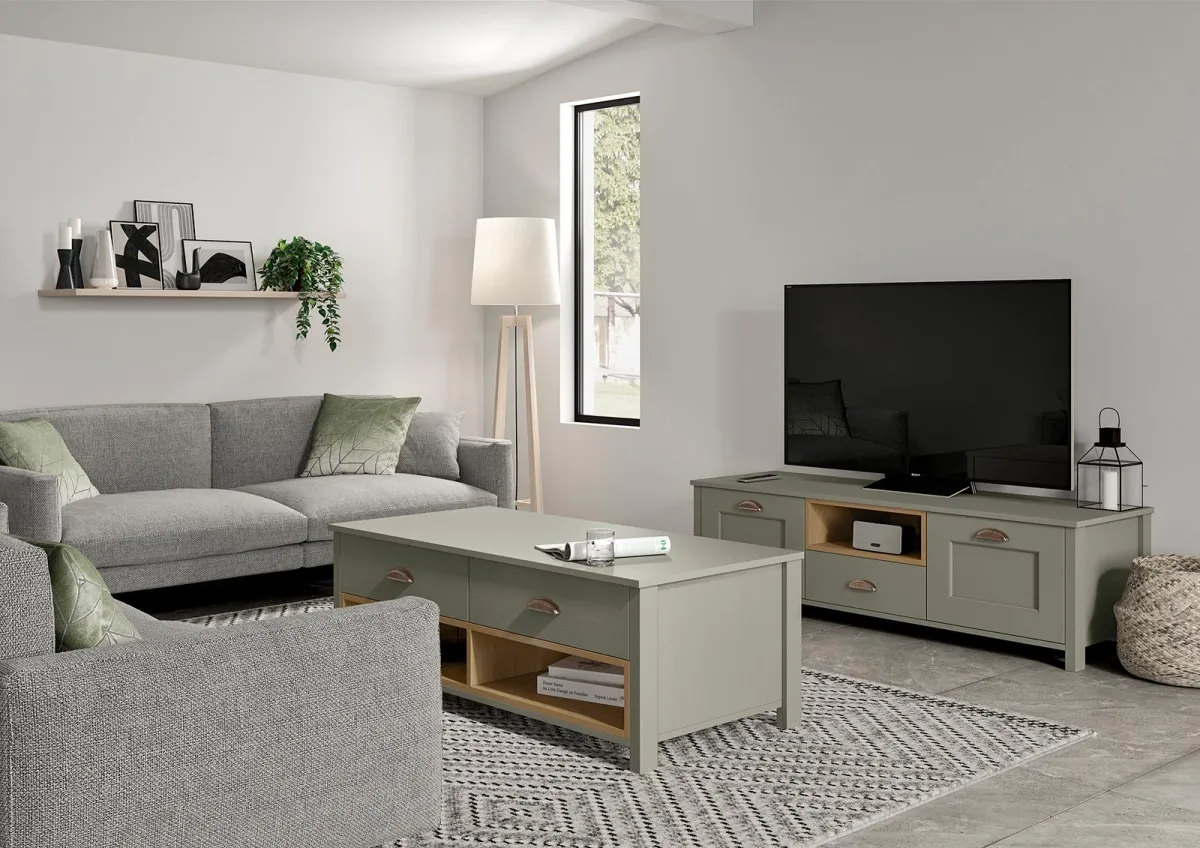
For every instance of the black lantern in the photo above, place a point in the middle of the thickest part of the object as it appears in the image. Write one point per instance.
(1110, 475)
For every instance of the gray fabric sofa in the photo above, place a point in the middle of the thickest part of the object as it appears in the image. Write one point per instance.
(197, 492)
(310, 731)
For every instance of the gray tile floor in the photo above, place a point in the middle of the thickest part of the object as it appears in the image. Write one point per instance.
(1137, 783)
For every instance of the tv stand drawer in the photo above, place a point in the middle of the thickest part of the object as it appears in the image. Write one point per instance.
(867, 584)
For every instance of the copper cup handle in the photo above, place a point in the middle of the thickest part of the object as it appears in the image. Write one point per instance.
(862, 585)
(400, 575)
(990, 534)
(543, 605)
(750, 506)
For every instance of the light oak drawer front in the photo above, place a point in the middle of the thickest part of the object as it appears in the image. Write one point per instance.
(1006, 577)
(770, 520)
(866, 584)
(382, 570)
(560, 608)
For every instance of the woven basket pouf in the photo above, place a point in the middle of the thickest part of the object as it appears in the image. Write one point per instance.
(1158, 620)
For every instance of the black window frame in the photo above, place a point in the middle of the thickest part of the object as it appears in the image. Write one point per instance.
(580, 336)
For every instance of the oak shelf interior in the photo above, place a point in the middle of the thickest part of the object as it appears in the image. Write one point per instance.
(504, 667)
(829, 528)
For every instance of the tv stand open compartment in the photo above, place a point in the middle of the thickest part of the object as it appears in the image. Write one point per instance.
(829, 527)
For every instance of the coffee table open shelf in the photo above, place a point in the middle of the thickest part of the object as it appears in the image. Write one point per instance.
(504, 667)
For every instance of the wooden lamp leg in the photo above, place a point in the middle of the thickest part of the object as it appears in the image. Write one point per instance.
(524, 325)
(531, 410)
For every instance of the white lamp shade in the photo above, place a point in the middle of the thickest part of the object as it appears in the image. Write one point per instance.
(516, 263)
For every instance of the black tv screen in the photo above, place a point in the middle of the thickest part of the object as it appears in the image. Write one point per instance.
(958, 380)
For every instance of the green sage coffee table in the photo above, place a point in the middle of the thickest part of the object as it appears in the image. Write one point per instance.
(707, 634)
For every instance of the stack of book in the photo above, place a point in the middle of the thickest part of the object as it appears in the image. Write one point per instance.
(584, 680)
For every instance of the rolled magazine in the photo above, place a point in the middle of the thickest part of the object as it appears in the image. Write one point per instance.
(640, 547)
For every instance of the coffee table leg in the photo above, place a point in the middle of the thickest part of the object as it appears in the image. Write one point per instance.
(643, 681)
(788, 715)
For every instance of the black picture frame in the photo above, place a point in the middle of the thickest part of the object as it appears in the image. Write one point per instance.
(219, 269)
(135, 264)
(171, 216)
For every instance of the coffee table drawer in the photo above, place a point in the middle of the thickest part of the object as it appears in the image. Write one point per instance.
(867, 584)
(581, 613)
(382, 571)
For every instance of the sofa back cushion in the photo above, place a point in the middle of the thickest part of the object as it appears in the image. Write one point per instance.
(135, 447)
(261, 441)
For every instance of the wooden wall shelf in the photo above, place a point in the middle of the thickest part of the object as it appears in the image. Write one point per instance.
(120, 294)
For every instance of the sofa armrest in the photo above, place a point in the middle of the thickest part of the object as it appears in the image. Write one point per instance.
(308, 731)
(26, 608)
(488, 464)
(33, 508)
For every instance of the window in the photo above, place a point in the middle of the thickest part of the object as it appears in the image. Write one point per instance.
(608, 281)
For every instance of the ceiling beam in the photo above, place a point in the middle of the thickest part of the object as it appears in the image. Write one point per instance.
(709, 16)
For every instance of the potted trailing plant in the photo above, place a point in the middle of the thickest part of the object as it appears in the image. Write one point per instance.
(314, 270)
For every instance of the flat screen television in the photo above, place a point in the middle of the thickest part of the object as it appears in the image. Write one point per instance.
(932, 384)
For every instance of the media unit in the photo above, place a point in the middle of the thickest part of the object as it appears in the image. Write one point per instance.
(1035, 570)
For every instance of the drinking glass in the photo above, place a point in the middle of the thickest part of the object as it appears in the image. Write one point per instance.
(600, 546)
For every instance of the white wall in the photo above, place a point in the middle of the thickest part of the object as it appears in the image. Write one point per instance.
(882, 141)
(391, 178)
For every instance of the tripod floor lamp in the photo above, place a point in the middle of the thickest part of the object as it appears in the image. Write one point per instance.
(516, 264)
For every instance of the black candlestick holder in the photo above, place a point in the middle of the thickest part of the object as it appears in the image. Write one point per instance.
(64, 269)
(76, 266)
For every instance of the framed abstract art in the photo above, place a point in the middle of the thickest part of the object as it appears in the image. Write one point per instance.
(223, 265)
(176, 222)
(138, 253)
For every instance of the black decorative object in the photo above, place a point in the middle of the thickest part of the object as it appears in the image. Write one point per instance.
(1109, 476)
(185, 281)
(222, 265)
(76, 266)
(65, 280)
(139, 260)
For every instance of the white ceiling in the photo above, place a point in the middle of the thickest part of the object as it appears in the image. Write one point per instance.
(467, 46)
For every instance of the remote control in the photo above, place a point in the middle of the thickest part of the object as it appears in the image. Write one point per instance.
(758, 478)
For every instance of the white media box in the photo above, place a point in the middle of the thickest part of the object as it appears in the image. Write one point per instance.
(880, 538)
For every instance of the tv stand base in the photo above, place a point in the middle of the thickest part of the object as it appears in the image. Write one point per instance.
(937, 487)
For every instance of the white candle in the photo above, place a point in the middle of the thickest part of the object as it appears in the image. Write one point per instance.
(76, 228)
(64, 236)
(1110, 488)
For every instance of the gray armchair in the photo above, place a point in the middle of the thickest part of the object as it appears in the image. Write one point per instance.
(311, 731)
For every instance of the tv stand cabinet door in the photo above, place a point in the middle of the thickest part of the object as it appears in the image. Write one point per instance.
(1006, 577)
(757, 519)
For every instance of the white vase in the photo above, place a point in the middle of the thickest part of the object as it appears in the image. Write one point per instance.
(104, 268)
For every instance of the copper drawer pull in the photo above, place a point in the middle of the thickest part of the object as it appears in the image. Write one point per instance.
(400, 575)
(862, 585)
(543, 605)
(990, 534)
(750, 506)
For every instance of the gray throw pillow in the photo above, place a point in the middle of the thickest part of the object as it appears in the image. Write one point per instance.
(431, 448)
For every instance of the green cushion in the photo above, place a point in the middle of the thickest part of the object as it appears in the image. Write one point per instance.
(85, 613)
(359, 435)
(35, 445)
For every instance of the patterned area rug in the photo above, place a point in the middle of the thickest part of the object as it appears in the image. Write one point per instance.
(864, 752)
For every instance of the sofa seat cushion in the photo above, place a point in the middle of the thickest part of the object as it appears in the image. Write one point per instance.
(139, 528)
(352, 497)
